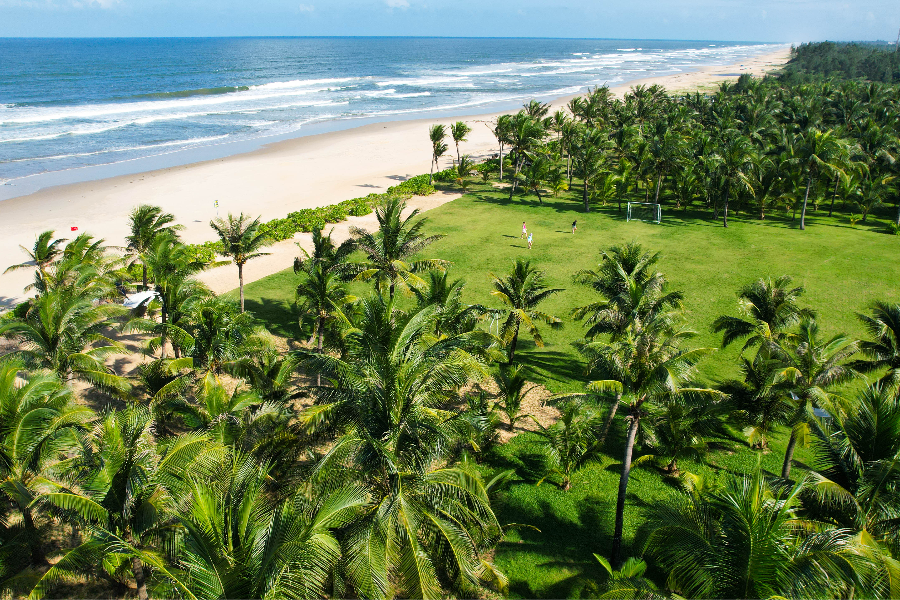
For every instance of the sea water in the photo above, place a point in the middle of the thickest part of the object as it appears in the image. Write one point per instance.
(68, 106)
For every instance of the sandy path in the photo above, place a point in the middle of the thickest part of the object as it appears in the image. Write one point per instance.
(272, 181)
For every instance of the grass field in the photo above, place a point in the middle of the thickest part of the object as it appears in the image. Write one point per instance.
(843, 269)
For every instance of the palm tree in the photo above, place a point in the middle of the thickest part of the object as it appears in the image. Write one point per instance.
(39, 425)
(453, 316)
(45, 251)
(630, 292)
(463, 170)
(325, 253)
(437, 133)
(119, 491)
(768, 307)
(857, 464)
(146, 223)
(320, 295)
(427, 522)
(389, 249)
(571, 442)
(511, 381)
(502, 131)
(172, 268)
(736, 159)
(220, 335)
(882, 350)
(748, 540)
(756, 401)
(521, 292)
(589, 153)
(59, 331)
(241, 240)
(645, 366)
(459, 131)
(817, 153)
(811, 369)
(524, 134)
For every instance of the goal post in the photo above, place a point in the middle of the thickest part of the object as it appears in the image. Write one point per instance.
(644, 211)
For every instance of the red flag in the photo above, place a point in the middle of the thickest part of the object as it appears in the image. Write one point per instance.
(74, 229)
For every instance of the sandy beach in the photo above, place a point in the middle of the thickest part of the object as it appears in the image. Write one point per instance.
(299, 173)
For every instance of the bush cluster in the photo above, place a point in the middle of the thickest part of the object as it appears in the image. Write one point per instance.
(446, 176)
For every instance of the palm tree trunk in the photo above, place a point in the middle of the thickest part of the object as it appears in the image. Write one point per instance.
(137, 568)
(515, 181)
(457, 152)
(805, 200)
(34, 540)
(584, 196)
(623, 489)
(725, 209)
(512, 345)
(162, 334)
(501, 161)
(833, 195)
(241, 283)
(320, 326)
(788, 456)
(431, 171)
(145, 275)
(897, 222)
(658, 184)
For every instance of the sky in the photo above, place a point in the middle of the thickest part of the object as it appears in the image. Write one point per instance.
(727, 20)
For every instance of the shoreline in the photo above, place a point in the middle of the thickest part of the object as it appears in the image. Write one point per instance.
(276, 178)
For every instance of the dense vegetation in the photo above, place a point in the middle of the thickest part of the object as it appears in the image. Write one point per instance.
(371, 457)
(853, 61)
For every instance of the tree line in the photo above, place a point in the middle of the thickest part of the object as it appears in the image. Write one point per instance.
(756, 145)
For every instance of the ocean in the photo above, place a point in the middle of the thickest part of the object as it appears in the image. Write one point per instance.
(80, 109)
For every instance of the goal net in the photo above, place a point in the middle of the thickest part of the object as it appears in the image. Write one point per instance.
(642, 211)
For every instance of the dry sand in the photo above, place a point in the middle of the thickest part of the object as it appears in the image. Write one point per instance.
(272, 181)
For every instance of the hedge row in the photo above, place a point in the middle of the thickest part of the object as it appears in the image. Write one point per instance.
(307, 219)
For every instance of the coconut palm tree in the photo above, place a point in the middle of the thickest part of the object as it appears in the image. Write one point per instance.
(502, 131)
(46, 249)
(631, 292)
(817, 153)
(147, 222)
(646, 366)
(39, 426)
(437, 133)
(521, 292)
(321, 295)
(736, 157)
(389, 249)
(756, 401)
(241, 239)
(589, 153)
(856, 468)
(220, 334)
(511, 380)
(453, 316)
(571, 442)
(427, 522)
(768, 307)
(459, 131)
(750, 540)
(63, 330)
(811, 369)
(882, 350)
(325, 253)
(464, 169)
(524, 134)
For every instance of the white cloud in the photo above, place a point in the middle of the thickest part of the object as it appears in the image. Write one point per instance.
(397, 3)
(306, 8)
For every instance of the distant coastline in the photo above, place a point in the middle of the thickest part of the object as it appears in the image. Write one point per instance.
(58, 136)
(302, 172)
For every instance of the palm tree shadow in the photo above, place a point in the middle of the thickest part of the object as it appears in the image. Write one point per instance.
(563, 543)
(278, 315)
(551, 364)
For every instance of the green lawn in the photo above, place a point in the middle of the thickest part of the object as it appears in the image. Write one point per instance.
(843, 269)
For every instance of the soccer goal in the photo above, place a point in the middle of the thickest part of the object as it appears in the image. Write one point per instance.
(643, 211)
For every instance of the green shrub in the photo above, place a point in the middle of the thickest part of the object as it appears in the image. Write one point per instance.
(414, 186)
(205, 252)
(446, 176)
